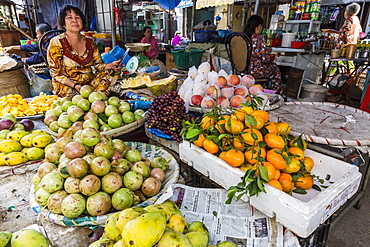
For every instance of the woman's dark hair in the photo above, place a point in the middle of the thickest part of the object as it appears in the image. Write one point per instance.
(146, 28)
(253, 22)
(65, 10)
(43, 27)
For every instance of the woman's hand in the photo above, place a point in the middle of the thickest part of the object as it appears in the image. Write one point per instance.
(78, 87)
(114, 65)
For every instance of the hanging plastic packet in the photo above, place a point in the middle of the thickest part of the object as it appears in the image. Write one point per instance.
(138, 104)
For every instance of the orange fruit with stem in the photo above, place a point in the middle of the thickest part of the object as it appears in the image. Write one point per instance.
(261, 113)
(234, 126)
(304, 182)
(234, 158)
(200, 140)
(293, 166)
(286, 181)
(284, 128)
(210, 146)
(296, 152)
(274, 141)
(294, 143)
(252, 136)
(272, 127)
(275, 183)
(238, 115)
(252, 153)
(207, 122)
(247, 109)
(257, 122)
(275, 157)
(308, 163)
(245, 167)
(238, 142)
(220, 126)
(222, 155)
(271, 170)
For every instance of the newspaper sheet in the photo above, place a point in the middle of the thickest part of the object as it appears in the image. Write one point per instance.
(237, 222)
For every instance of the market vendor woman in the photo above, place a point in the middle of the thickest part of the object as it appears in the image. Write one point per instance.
(149, 39)
(72, 56)
(261, 64)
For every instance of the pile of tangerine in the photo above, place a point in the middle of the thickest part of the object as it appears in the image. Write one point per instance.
(250, 140)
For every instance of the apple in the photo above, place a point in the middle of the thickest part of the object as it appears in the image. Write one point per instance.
(65, 99)
(196, 100)
(227, 91)
(124, 106)
(49, 119)
(113, 101)
(94, 96)
(115, 121)
(105, 127)
(128, 117)
(76, 98)
(76, 126)
(241, 90)
(110, 110)
(234, 80)
(90, 124)
(207, 102)
(64, 121)
(133, 155)
(97, 106)
(256, 89)
(84, 104)
(91, 115)
(76, 114)
(223, 102)
(247, 81)
(140, 112)
(66, 105)
(213, 91)
(221, 81)
(86, 90)
(54, 126)
(58, 110)
(236, 101)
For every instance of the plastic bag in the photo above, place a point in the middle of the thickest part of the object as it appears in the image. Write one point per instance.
(37, 84)
(115, 54)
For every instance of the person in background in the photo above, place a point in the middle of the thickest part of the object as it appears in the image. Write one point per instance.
(31, 26)
(261, 62)
(350, 31)
(176, 39)
(149, 39)
(72, 56)
(37, 57)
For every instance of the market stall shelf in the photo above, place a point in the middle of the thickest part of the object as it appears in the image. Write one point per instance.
(325, 123)
(301, 214)
(147, 151)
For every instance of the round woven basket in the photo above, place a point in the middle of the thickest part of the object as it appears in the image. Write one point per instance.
(14, 82)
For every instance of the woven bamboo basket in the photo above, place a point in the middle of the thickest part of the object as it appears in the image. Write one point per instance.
(14, 82)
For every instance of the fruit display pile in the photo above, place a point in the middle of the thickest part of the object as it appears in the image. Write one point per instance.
(167, 113)
(160, 225)
(24, 237)
(17, 106)
(94, 174)
(20, 143)
(90, 109)
(207, 88)
(263, 149)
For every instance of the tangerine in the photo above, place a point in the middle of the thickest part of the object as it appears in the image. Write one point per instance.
(284, 128)
(247, 109)
(275, 157)
(294, 143)
(238, 115)
(259, 122)
(293, 166)
(210, 146)
(276, 184)
(200, 140)
(274, 141)
(234, 126)
(252, 154)
(272, 127)
(286, 181)
(207, 122)
(220, 126)
(222, 155)
(277, 174)
(261, 113)
(304, 182)
(234, 158)
(252, 136)
(297, 152)
(271, 170)
(238, 142)
(308, 163)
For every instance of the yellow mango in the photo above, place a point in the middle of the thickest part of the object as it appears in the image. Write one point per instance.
(15, 158)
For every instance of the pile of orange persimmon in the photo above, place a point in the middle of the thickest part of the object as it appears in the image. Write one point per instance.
(247, 139)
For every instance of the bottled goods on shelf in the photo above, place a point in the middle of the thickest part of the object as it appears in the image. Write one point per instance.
(305, 10)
